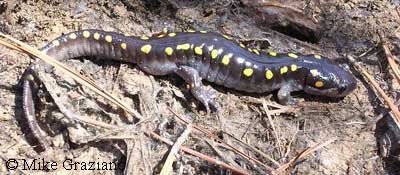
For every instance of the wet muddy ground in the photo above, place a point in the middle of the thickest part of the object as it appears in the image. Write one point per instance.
(281, 133)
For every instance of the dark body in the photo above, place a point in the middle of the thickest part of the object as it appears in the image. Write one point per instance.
(217, 58)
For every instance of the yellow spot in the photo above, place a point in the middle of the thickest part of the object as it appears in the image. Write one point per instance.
(226, 59)
(227, 37)
(123, 46)
(30, 77)
(86, 34)
(169, 51)
(108, 38)
(146, 48)
(183, 46)
(292, 55)
(126, 34)
(56, 43)
(242, 45)
(319, 84)
(269, 74)
(96, 36)
(314, 72)
(248, 72)
(172, 34)
(293, 67)
(190, 31)
(249, 49)
(198, 50)
(256, 51)
(72, 36)
(272, 53)
(317, 56)
(203, 31)
(214, 53)
(284, 69)
(144, 38)
(160, 36)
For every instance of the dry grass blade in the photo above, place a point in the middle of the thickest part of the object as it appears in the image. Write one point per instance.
(6, 44)
(167, 168)
(303, 154)
(256, 150)
(388, 100)
(274, 129)
(58, 65)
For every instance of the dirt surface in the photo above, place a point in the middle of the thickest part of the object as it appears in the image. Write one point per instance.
(346, 27)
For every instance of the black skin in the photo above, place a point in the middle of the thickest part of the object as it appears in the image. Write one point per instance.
(337, 81)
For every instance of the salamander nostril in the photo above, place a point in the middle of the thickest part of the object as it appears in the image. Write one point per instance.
(342, 87)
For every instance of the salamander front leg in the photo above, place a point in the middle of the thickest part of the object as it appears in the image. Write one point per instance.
(284, 96)
(191, 76)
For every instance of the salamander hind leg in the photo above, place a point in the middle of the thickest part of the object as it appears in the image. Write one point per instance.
(284, 96)
(191, 76)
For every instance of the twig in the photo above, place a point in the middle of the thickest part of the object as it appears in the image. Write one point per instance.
(302, 155)
(167, 168)
(129, 167)
(221, 154)
(390, 57)
(145, 156)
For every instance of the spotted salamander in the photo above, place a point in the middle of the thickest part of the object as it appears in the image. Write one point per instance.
(195, 56)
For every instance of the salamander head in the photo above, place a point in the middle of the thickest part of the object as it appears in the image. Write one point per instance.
(329, 80)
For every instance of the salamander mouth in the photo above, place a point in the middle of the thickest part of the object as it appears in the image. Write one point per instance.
(332, 92)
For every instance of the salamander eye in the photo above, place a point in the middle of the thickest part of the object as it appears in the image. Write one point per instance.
(342, 87)
(345, 67)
